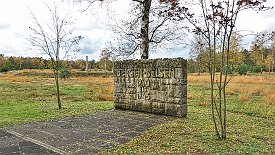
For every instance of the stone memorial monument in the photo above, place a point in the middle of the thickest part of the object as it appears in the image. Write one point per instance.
(151, 85)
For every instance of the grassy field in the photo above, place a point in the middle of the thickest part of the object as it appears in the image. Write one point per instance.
(251, 122)
(32, 98)
(251, 113)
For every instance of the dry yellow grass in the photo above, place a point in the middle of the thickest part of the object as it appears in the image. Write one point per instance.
(14, 78)
(243, 97)
(35, 71)
(100, 88)
(245, 86)
(230, 92)
(248, 79)
(110, 89)
(252, 79)
(202, 103)
(203, 78)
(192, 96)
(93, 79)
(256, 90)
(270, 99)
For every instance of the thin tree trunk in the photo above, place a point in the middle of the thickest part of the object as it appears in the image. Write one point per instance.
(224, 110)
(144, 44)
(212, 103)
(57, 89)
(199, 69)
(262, 61)
(212, 73)
(105, 65)
(219, 111)
(273, 60)
(212, 76)
(56, 71)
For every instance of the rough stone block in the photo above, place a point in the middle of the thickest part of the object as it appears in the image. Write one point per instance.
(154, 95)
(179, 73)
(158, 108)
(162, 96)
(157, 86)
(171, 91)
(170, 109)
(146, 106)
(138, 105)
(179, 91)
(120, 106)
(176, 110)
(134, 106)
(181, 110)
(163, 88)
(164, 82)
(174, 81)
(177, 101)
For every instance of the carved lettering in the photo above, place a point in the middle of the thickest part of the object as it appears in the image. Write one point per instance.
(130, 73)
(172, 72)
(139, 95)
(160, 73)
(140, 83)
(136, 73)
(148, 73)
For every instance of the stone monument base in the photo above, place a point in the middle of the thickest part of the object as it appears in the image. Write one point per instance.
(155, 86)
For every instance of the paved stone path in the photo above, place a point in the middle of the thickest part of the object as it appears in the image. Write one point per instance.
(77, 135)
(10, 144)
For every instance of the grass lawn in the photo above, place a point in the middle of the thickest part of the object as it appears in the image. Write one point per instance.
(195, 135)
(251, 113)
(251, 122)
(26, 99)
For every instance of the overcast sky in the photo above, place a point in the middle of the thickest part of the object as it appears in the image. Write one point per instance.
(15, 20)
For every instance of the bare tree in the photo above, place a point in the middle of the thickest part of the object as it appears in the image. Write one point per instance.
(145, 6)
(53, 39)
(199, 52)
(163, 32)
(259, 47)
(144, 30)
(219, 19)
(216, 23)
(273, 52)
(105, 55)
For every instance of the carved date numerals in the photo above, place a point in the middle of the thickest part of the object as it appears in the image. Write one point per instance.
(143, 86)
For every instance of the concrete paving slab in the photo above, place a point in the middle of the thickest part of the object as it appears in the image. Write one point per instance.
(11, 144)
(78, 135)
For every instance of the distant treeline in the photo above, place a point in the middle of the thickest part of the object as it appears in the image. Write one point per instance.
(18, 63)
(240, 62)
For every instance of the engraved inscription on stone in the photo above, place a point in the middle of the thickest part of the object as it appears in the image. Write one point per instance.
(157, 86)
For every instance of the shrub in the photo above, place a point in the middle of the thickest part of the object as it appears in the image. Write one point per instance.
(65, 73)
(7, 66)
(243, 69)
(255, 69)
(228, 68)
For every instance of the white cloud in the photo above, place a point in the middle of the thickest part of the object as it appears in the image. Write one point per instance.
(250, 22)
(15, 20)
(4, 26)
